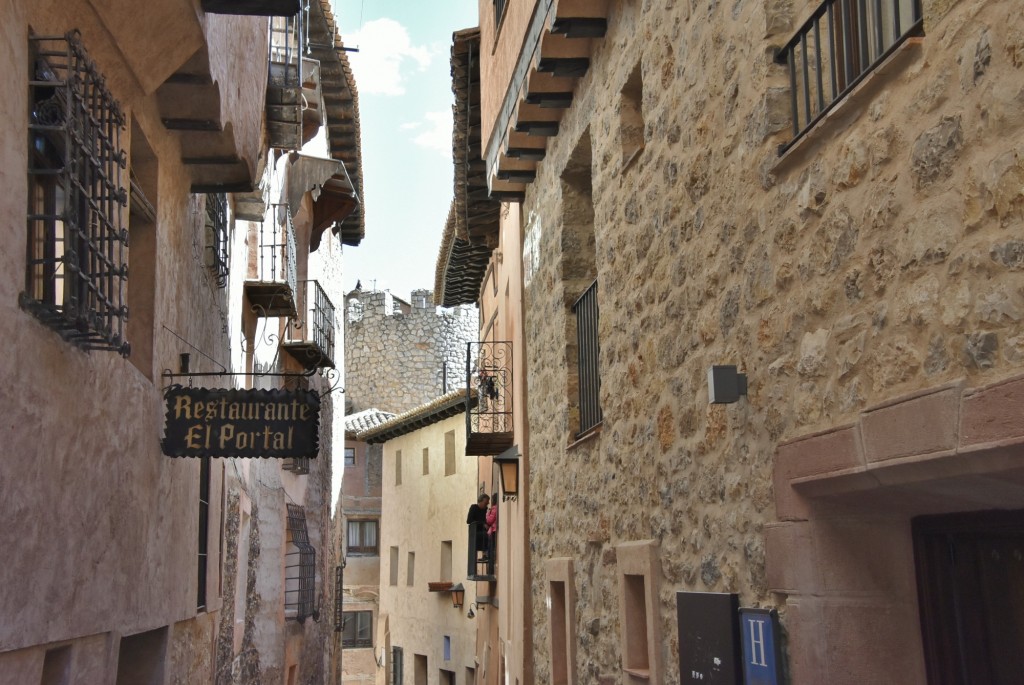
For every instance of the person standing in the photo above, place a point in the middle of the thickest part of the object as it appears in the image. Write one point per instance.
(478, 515)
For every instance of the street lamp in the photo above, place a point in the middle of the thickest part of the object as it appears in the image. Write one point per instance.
(508, 467)
(458, 594)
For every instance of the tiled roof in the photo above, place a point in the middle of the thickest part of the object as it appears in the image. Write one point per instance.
(436, 410)
(366, 420)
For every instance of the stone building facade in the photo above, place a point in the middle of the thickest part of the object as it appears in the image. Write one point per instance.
(143, 159)
(400, 355)
(866, 280)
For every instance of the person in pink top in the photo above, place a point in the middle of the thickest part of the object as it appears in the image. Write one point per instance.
(492, 521)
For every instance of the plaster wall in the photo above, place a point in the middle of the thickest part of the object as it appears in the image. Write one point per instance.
(103, 528)
(418, 516)
(878, 259)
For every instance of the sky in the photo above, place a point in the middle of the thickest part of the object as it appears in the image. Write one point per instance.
(405, 112)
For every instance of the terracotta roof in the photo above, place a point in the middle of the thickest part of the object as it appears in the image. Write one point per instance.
(471, 232)
(445, 406)
(341, 101)
(365, 420)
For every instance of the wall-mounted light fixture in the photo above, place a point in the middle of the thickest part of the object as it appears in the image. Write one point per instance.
(508, 467)
(458, 595)
(479, 607)
(725, 384)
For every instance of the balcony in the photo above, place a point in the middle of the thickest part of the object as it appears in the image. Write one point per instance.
(309, 338)
(482, 553)
(271, 283)
(489, 428)
(284, 82)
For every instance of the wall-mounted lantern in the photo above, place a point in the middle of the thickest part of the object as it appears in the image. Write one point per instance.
(458, 595)
(508, 467)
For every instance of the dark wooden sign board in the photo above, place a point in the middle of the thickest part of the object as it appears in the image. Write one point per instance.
(709, 640)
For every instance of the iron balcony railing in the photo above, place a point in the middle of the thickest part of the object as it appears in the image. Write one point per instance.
(482, 552)
(588, 359)
(489, 376)
(276, 255)
(841, 43)
(315, 324)
(287, 37)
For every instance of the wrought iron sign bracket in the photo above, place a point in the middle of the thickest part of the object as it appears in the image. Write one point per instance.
(331, 375)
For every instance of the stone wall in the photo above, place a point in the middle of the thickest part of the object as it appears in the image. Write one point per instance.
(880, 257)
(395, 361)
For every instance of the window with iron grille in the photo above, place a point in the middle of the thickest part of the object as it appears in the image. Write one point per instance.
(588, 350)
(339, 597)
(297, 465)
(499, 11)
(218, 240)
(77, 257)
(397, 666)
(362, 538)
(299, 567)
(350, 456)
(841, 43)
(357, 629)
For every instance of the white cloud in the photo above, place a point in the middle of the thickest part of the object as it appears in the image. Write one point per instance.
(437, 134)
(386, 55)
(408, 126)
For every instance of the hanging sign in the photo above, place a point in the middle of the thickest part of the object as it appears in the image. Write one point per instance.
(217, 422)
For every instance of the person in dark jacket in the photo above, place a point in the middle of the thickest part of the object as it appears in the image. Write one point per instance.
(478, 515)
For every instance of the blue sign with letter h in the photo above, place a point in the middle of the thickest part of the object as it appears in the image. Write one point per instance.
(762, 664)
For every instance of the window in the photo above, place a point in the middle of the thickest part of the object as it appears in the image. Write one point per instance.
(393, 567)
(640, 636)
(426, 461)
(297, 465)
(350, 456)
(419, 675)
(446, 677)
(410, 570)
(77, 249)
(561, 621)
(141, 657)
(397, 666)
(362, 538)
(447, 649)
(357, 629)
(631, 116)
(218, 238)
(57, 666)
(299, 567)
(588, 356)
(446, 560)
(204, 528)
(398, 467)
(449, 453)
(579, 269)
(499, 12)
(837, 47)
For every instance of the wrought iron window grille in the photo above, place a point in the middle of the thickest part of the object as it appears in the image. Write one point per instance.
(588, 359)
(77, 249)
(288, 39)
(218, 236)
(297, 465)
(299, 567)
(339, 597)
(836, 48)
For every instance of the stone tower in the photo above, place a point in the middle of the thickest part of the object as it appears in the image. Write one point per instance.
(398, 354)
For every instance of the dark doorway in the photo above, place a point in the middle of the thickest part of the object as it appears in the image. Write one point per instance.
(970, 576)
